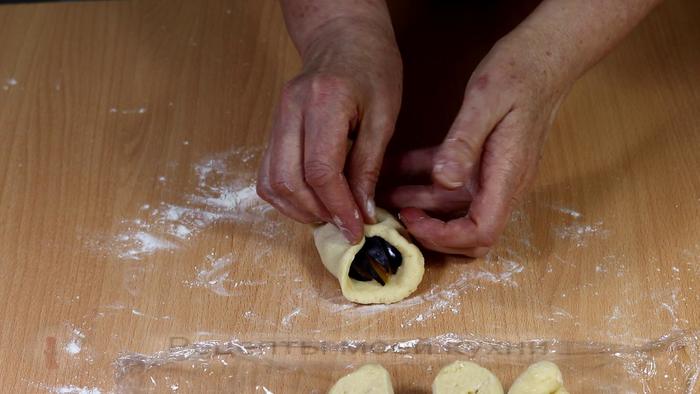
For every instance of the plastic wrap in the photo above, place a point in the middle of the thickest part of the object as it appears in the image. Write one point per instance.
(669, 364)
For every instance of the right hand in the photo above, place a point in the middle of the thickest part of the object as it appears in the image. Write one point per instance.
(350, 86)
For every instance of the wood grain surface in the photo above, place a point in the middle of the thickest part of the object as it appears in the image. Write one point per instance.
(129, 138)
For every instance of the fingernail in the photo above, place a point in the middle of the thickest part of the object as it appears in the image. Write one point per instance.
(344, 230)
(347, 234)
(370, 207)
(450, 174)
(411, 215)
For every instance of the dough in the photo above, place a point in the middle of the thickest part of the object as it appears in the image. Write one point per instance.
(464, 377)
(337, 255)
(543, 377)
(368, 379)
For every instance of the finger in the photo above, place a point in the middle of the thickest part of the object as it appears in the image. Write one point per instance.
(507, 169)
(285, 161)
(458, 156)
(366, 159)
(326, 124)
(457, 234)
(429, 198)
(469, 252)
(266, 193)
(440, 236)
(418, 162)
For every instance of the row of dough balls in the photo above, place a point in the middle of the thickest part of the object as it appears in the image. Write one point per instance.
(460, 377)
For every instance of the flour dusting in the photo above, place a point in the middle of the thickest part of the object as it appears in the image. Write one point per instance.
(75, 343)
(214, 276)
(129, 111)
(567, 211)
(223, 191)
(9, 83)
(580, 233)
(134, 246)
(74, 390)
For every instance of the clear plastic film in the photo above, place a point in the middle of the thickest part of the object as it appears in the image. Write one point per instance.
(669, 364)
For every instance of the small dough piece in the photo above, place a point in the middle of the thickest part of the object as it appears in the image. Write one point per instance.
(464, 377)
(337, 255)
(543, 377)
(368, 379)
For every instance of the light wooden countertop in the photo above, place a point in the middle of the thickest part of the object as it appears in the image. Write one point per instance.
(129, 135)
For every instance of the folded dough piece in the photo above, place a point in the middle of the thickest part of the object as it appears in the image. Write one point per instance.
(543, 377)
(337, 255)
(368, 379)
(464, 377)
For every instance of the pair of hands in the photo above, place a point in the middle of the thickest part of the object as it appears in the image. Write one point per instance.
(351, 86)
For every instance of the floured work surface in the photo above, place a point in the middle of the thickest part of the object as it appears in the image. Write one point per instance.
(129, 139)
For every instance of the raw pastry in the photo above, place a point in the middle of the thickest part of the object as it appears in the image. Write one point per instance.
(464, 377)
(338, 255)
(368, 379)
(543, 377)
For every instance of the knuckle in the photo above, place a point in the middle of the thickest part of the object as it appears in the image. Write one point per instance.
(462, 144)
(365, 177)
(281, 187)
(263, 191)
(488, 238)
(384, 125)
(318, 173)
(324, 82)
(324, 87)
(289, 92)
(479, 252)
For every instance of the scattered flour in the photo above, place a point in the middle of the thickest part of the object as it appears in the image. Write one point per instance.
(69, 389)
(75, 343)
(224, 192)
(73, 348)
(580, 233)
(215, 277)
(9, 83)
(74, 390)
(134, 246)
(129, 111)
(567, 211)
(574, 229)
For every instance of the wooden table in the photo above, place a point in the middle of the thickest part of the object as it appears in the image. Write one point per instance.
(129, 136)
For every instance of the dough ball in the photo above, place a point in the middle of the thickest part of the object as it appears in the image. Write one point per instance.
(337, 255)
(368, 379)
(543, 377)
(464, 377)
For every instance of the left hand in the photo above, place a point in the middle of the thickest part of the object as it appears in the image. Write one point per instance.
(490, 155)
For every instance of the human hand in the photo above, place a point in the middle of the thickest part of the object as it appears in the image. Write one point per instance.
(490, 154)
(350, 87)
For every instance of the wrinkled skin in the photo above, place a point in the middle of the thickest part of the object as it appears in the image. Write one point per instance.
(489, 157)
(350, 88)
